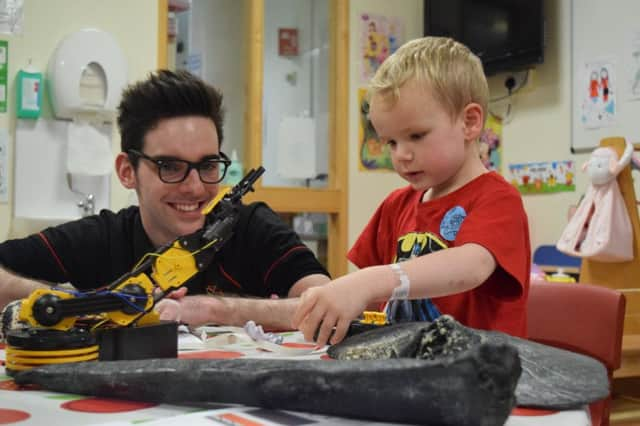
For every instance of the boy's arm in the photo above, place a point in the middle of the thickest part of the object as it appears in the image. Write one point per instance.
(14, 287)
(446, 272)
(441, 273)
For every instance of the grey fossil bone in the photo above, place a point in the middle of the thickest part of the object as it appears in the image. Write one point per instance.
(472, 387)
(551, 378)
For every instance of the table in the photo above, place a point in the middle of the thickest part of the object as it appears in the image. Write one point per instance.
(27, 407)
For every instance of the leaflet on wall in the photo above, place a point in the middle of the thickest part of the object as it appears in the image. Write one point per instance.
(4, 166)
(543, 177)
(380, 36)
(194, 64)
(632, 66)
(296, 156)
(599, 91)
(4, 67)
(11, 16)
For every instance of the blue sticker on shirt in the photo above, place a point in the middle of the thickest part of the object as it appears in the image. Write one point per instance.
(451, 223)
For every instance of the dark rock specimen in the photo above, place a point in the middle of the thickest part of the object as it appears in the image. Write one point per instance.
(474, 386)
(551, 377)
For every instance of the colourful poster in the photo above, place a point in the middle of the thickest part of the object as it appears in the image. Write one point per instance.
(374, 155)
(543, 177)
(380, 36)
(490, 144)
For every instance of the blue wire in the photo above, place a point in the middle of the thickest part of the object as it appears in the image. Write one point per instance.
(125, 298)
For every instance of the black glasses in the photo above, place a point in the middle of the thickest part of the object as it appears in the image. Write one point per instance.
(211, 169)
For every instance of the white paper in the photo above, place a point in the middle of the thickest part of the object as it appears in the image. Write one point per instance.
(236, 339)
(297, 148)
(88, 150)
(41, 192)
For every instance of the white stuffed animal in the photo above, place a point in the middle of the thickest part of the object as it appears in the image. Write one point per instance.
(603, 166)
(600, 229)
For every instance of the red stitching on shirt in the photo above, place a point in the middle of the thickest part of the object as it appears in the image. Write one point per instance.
(274, 264)
(229, 277)
(53, 253)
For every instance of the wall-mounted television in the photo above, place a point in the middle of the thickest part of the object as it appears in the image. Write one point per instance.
(507, 35)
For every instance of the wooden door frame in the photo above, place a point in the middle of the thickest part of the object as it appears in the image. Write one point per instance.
(334, 199)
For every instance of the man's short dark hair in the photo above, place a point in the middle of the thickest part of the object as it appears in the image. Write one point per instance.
(165, 94)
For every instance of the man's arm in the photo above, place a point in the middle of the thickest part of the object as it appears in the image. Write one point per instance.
(14, 287)
(274, 314)
(304, 283)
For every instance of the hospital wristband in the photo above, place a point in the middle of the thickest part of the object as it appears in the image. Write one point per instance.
(401, 292)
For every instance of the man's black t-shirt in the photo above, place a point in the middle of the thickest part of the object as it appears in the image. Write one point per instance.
(264, 256)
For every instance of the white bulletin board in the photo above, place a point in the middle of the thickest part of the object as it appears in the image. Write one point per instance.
(605, 71)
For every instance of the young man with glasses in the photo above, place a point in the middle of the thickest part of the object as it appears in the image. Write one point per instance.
(171, 131)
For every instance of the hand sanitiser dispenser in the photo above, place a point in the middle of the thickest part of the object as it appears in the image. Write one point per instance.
(28, 92)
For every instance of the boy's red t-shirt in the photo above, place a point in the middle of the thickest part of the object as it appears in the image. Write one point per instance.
(487, 211)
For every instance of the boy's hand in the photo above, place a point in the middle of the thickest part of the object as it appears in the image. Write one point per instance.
(333, 305)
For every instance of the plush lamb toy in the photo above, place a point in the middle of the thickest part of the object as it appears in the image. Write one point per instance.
(600, 229)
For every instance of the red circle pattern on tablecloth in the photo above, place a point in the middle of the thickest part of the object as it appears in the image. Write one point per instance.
(12, 416)
(105, 405)
(523, 411)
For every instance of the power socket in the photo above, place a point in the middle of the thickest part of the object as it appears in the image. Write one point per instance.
(520, 81)
(510, 83)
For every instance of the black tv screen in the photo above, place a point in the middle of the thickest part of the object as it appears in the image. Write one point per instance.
(507, 35)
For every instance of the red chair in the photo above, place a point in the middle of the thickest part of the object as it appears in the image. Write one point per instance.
(582, 318)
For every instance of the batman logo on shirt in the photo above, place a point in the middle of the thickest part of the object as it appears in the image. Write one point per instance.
(416, 244)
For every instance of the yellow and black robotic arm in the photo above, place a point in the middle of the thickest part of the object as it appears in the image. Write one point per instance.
(129, 300)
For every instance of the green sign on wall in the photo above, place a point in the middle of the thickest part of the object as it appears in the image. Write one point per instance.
(4, 66)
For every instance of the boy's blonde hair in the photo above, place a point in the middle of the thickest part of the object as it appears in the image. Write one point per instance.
(447, 67)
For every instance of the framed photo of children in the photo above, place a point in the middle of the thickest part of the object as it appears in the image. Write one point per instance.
(373, 154)
(543, 177)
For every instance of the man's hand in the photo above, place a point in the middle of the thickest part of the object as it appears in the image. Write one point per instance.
(192, 310)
